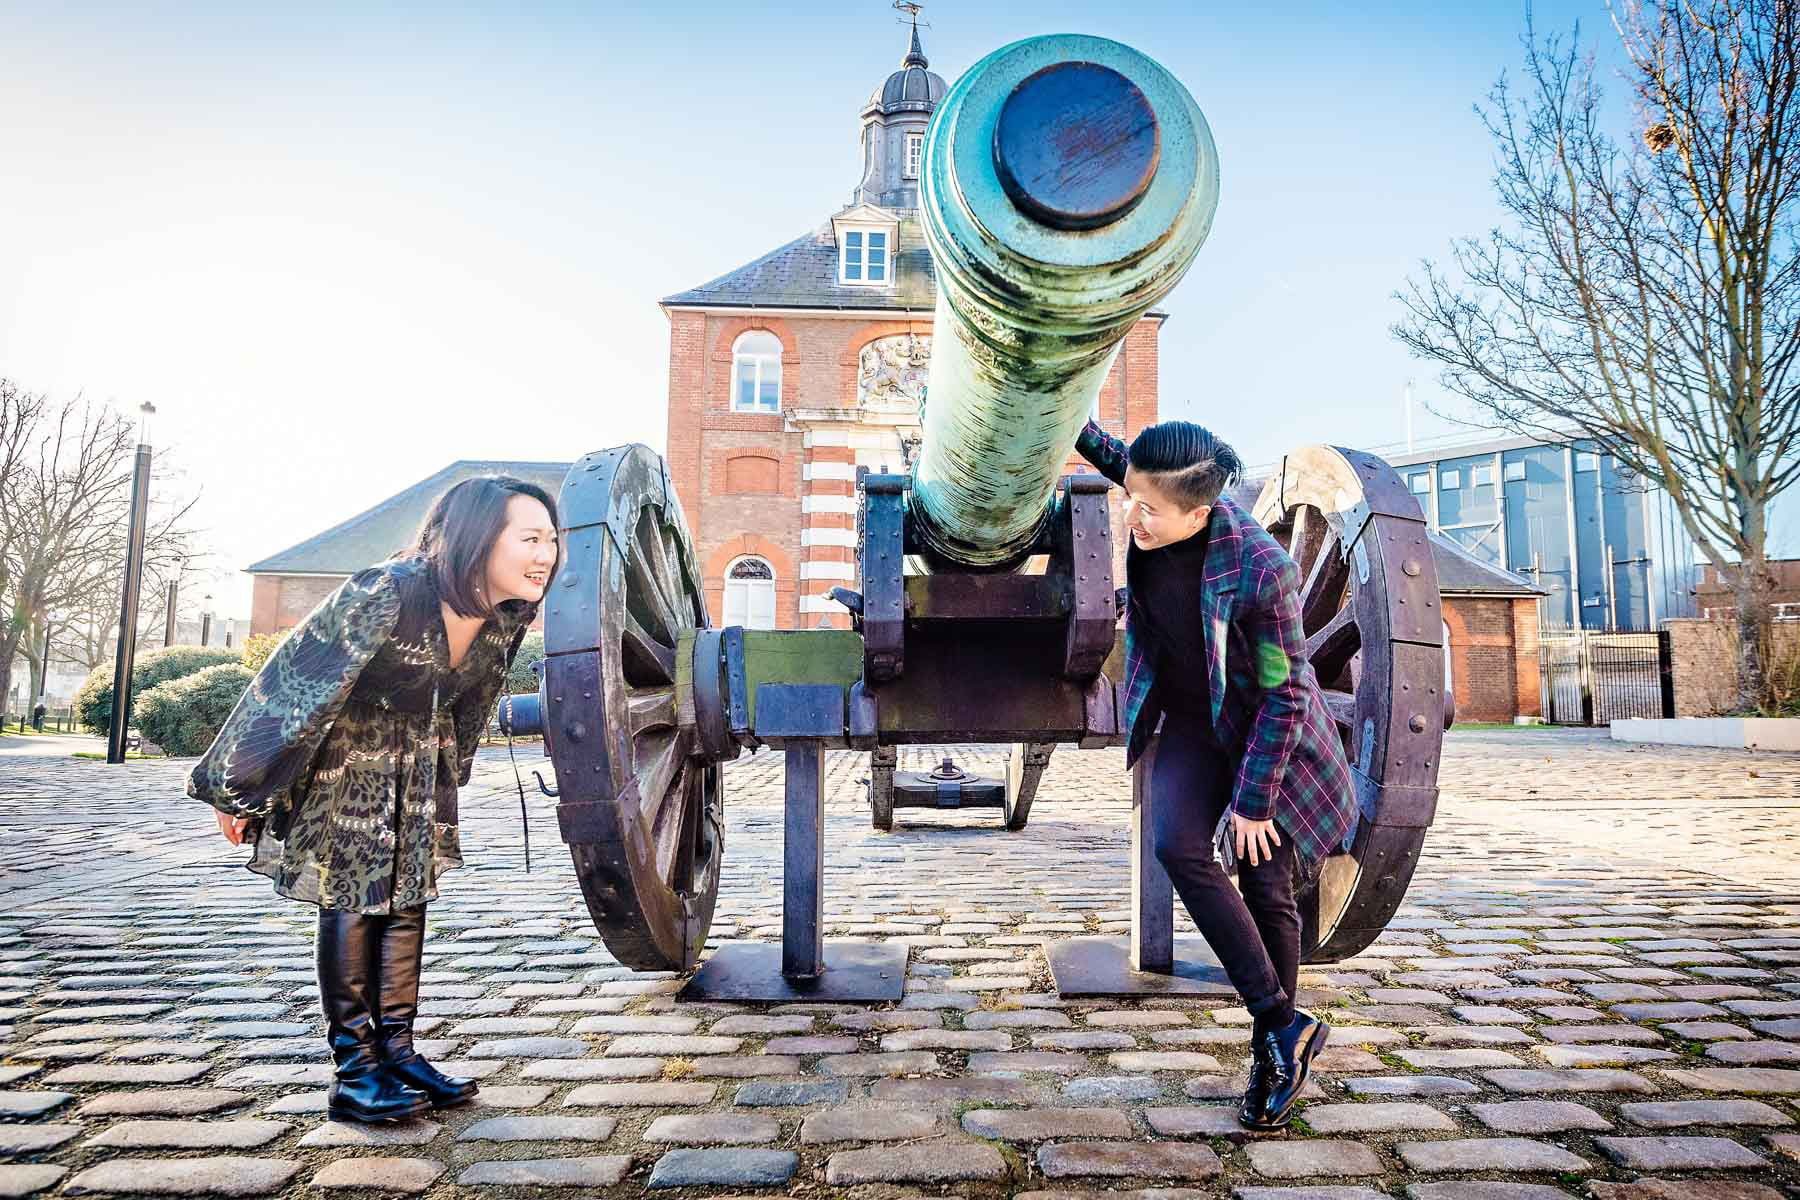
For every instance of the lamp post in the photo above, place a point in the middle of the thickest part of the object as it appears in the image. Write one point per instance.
(206, 621)
(169, 616)
(44, 659)
(134, 578)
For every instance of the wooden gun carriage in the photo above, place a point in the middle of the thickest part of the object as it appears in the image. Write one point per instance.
(1068, 182)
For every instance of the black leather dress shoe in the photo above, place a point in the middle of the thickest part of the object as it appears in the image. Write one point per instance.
(1291, 1052)
(1257, 1094)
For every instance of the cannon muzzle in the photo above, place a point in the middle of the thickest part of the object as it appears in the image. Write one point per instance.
(1069, 182)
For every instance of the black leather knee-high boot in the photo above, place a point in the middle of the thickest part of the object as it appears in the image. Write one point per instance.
(402, 954)
(362, 1088)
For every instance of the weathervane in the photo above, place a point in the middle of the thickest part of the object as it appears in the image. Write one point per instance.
(912, 11)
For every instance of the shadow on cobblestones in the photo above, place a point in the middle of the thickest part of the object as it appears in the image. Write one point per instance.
(1595, 980)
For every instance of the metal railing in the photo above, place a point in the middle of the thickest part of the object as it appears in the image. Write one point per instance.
(56, 720)
(1595, 678)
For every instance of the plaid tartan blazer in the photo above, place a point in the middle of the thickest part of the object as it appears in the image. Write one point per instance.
(1267, 709)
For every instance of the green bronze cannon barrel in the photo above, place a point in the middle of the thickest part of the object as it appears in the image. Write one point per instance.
(1068, 183)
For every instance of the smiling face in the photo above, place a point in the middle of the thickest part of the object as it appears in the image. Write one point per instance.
(1155, 518)
(523, 556)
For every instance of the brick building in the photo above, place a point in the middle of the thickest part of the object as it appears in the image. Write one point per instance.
(788, 373)
(1713, 596)
(1491, 632)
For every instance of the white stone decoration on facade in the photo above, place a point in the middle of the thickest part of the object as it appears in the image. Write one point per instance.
(892, 372)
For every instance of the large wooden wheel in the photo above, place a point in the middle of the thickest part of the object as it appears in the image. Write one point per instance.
(1374, 632)
(640, 803)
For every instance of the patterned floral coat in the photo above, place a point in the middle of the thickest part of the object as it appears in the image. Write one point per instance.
(348, 746)
(1267, 709)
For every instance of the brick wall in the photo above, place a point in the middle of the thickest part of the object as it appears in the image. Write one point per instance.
(739, 475)
(1704, 655)
(280, 602)
(1527, 666)
(1493, 657)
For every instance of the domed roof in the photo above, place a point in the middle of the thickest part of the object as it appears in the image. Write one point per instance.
(912, 88)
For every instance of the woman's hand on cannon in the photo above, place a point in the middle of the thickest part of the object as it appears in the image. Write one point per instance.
(1255, 840)
(232, 827)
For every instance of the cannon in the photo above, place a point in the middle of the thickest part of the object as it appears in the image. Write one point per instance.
(1068, 183)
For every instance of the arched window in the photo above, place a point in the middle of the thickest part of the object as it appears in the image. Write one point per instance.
(750, 594)
(756, 372)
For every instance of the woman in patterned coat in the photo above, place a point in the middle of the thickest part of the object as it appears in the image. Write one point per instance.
(342, 760)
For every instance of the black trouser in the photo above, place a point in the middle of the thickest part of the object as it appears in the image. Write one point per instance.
(1256, 934)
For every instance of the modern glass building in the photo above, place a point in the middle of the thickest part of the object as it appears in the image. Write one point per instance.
(1606, 547)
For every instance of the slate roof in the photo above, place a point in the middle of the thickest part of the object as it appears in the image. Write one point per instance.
(369, 537)
(1463, 574)
(804, 274)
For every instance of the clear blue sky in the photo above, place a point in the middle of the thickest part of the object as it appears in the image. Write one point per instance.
(341, 245)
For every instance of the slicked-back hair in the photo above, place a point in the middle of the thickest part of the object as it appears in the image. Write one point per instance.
(459, 534)
(1185, 461)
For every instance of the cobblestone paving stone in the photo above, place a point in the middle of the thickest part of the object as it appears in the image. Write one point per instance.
(1593, 989)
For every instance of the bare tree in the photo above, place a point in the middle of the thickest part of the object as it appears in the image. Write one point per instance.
(64, 516)
(1646, 293)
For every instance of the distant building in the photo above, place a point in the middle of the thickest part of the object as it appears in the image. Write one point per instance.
(1490, 626)
(288, 585)
(1713, 596)
(1607, 550)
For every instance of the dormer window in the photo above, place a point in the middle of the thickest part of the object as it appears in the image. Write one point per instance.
(866, 240)
(915, 151)
(865, 256)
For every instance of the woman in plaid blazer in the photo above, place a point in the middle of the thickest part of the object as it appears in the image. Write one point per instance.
(1245, 765)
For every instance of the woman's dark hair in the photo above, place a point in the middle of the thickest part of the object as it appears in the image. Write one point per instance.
(460, 531)
(1186, 461)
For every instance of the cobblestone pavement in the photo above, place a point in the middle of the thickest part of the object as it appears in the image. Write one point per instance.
(1593, 990)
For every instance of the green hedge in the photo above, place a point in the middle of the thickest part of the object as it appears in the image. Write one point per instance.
(522, 680)
(184, 715)
(94, 702)
(260, 647)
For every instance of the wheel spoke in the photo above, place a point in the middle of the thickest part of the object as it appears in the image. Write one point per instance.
(657, 759)
(1323, 592)
(1330, 648)
(675, 849)
(646, 659)
(646, 594)
(1308, 537)
(650, 708)
(652, 574)
(678, 582)
(1342, 706)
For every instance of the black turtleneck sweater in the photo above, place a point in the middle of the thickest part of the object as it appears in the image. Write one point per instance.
(1165, 587)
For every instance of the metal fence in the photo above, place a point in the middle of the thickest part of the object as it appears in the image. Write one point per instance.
(56, 720)
(1593, 678)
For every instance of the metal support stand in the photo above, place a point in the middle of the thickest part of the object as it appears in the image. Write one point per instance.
(1150, 962)
(805, 966)
(802, 862)
(1152, 894)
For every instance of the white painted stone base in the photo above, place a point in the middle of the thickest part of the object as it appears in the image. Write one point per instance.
(1732, 733)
